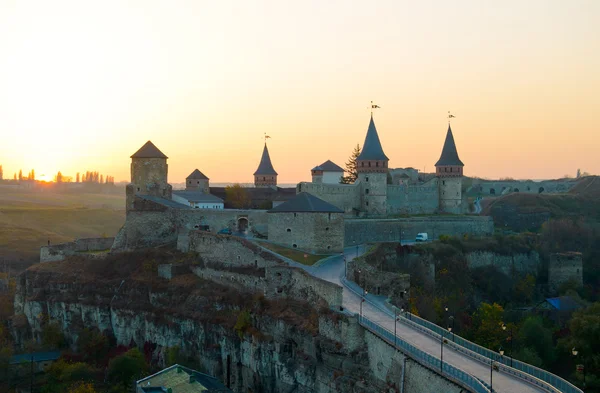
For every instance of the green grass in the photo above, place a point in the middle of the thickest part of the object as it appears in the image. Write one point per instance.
(294, 255)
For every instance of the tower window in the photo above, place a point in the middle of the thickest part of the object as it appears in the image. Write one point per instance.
(369, 163)
(367, 203)
(362, 164)
(197, 181)
(367, 191)
(367, 178)
(450, 169)
(443, 182)
(138, 188)
(377, 163)
(288, 230)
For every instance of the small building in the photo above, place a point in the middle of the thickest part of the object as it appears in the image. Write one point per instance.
(41, 360)
(307, 223)
(328, 173)
(180, 379)
(197, 199)
(197, 181)
(559, 309)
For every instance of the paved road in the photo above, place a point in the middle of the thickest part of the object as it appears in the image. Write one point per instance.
(333, 268)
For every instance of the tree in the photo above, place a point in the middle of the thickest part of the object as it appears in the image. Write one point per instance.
(487, 323)
(538, 338)
(237, 196)
(93, 344)
(32, 175)
(1, 173)
(351, 168)
(52, 336)
(123, 369)
(58, 178)
(77, 178)
(20, 174)
(82, 387)
(15, 176)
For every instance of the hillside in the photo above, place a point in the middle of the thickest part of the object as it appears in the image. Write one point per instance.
(519, 211)
(28, 219)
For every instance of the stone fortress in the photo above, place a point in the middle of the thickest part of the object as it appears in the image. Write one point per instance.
(319, 217)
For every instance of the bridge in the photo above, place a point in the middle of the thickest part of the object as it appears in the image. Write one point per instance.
(469, 365)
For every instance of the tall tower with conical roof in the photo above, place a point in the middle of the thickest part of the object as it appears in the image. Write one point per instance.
(149, 172)
(372, 168)
(449, 170)
(265, 175)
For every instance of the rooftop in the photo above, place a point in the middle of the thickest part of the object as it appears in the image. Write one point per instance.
(197, 175)
(306, 203)
(180, 379)
(449, 154)
(328, 166)
(197, 196)
(372, 149)
(165, 202)
(265, 167)
(563, 303)
(148, 151)
(37, 357)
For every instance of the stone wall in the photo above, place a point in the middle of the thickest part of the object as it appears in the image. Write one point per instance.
(152, 224)
(169, 270)
(344, 196)
(373, 190)
(319, 233)
(368, 272)
(528, 263)
(345, 330)
(359, 231)
(288, 281)
(450, 194)
(563, 267)
(59, 252)
(413, 199)
(389, 366)
(486, 187)
(227, 250)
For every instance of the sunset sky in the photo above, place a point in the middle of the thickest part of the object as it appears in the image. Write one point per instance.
(84, 84)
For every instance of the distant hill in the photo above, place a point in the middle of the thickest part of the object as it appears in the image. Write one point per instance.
(521, 211)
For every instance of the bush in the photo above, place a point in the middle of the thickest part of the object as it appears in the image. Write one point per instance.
(123, 369)
(244, 322)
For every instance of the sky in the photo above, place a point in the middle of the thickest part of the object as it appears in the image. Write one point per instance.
(84, 84)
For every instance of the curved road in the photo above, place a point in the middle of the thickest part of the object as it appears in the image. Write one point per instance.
(333, 268)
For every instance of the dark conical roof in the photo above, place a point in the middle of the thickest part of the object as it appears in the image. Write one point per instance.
(197, 175)
(449, 154)
(265, 167)
(372, 149)
(148, 151)
(306, 203)
(328, 166)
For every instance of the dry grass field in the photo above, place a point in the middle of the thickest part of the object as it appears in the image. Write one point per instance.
(28, 219)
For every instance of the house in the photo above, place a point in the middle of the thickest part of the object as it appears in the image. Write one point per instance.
(180, 379)
(41, 360)
(328, 172)
(558, 309)
(197, 199)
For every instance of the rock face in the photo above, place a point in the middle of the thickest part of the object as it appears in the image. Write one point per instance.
(287, 345)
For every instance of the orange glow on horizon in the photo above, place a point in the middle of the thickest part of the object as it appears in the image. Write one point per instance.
(84, 85)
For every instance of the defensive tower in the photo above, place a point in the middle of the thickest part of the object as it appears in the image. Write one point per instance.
(149, 171)
(372, 168)
(197, 181)
(449, 170)
(265, 175)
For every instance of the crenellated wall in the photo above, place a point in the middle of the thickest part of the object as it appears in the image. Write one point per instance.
(89, 246)
(345, 196)
(414, 199)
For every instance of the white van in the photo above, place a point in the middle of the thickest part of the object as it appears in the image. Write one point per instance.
(421, 237)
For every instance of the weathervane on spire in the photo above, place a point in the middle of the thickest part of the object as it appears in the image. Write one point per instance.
(266, 137)
(450, 116)
(373, 106)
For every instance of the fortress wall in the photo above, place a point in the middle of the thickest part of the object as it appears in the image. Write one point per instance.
(343, 329)
(520, 263)
(312, 232)
(190, 219)
(229, 250)
(288, 281)
(344, 196)
(526, 186)
(59, 252)
(243, 282)
(360, 231)
(417, 199)
(563, 267)
(144, 229)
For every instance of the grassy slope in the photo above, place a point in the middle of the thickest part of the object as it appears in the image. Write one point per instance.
(294, 255)
(581, 201)
(29, 219)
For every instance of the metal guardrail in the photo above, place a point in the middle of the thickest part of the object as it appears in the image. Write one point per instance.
(462, 378)
(537, 373)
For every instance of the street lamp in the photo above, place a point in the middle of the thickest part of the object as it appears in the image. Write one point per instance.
(404, 293)
(451, 328)
(575, 352)
(501, 351)
(510, 337)
(365, 292)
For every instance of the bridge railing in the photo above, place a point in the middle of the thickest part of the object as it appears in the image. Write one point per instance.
(543, 375)
(462, 378)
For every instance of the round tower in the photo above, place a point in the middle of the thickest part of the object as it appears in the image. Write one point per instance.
(449, 170)
(317, 174)
(265, 175)
(372, 168)
(197, 181)
(149, 171)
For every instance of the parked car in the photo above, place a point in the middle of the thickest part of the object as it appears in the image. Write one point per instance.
(225, 231)
(421, 237)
